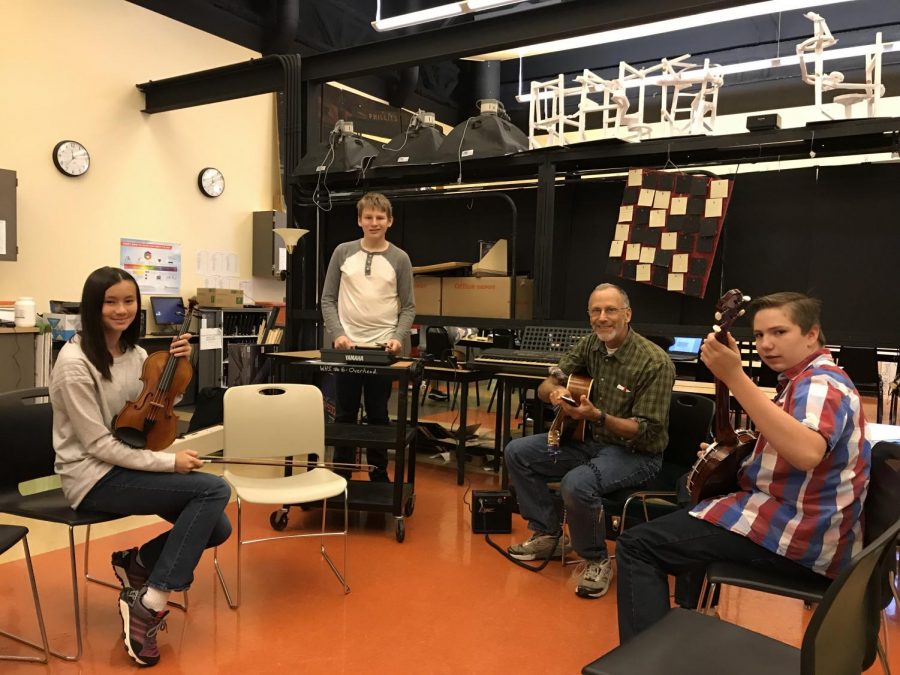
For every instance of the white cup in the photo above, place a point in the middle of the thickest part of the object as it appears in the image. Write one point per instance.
(25, 316)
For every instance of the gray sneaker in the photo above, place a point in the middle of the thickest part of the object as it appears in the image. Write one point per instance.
(537, 547)
(594, 578)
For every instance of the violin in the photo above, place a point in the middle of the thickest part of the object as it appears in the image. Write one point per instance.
(150, 421)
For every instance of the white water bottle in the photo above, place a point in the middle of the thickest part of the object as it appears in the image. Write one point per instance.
(25, 316)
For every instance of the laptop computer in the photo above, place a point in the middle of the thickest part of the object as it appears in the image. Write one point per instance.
(685, 348)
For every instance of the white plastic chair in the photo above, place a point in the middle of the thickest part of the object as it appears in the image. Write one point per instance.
(279, 421)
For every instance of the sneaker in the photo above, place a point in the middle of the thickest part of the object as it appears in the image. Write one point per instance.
(130, 572)
(594, 577)
(538, 546)
(438, 396)
(140, 626)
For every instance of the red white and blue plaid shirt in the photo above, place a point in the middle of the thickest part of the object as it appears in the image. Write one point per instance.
(811, 517)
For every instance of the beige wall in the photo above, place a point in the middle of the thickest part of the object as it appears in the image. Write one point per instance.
(68, 71)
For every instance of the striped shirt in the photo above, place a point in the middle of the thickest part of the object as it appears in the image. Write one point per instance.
(811, 517)
(634, 382)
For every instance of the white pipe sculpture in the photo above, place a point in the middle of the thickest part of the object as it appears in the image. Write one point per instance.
(700, 110)
(547, 112)
(871, 91)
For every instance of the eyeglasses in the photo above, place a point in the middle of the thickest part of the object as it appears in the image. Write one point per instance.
(611, 312)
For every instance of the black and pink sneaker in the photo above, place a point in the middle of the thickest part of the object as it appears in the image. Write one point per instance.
(140, 626)
(130, 573)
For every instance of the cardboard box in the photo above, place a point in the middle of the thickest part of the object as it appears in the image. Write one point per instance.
(220, 297)
(63, 326)
(428, 295)
(485, 297)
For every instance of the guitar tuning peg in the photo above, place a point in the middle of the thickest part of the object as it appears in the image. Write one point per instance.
(746, 298)
(717, 329)
(718, 316)
(742, 312)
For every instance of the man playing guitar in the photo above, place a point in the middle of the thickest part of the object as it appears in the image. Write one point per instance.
(800, 492)
(628, 408)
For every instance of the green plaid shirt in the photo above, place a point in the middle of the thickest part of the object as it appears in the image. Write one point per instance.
(634, 382)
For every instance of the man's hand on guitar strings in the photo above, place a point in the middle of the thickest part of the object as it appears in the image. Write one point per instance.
(585, 410)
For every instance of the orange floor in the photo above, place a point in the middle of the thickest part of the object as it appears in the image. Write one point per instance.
(441, 602)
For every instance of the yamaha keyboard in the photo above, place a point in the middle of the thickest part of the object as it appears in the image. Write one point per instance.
(516, 361)
(363, 357)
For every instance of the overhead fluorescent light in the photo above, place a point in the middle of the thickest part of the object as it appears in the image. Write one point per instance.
(476, 5)
(421, 16)
(749, 66)
(658, 28)
(436, 13)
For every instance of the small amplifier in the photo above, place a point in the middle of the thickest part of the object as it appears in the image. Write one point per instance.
(491, 511)
(763, 122)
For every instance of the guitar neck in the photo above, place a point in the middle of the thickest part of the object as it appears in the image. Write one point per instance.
(724, 431)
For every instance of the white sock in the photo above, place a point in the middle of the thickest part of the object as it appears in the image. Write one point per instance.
(155, 599)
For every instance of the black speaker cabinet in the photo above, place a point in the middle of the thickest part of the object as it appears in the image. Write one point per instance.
(763, 122)
(491, 511)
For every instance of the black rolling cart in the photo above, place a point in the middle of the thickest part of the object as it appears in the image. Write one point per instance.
(397, 497)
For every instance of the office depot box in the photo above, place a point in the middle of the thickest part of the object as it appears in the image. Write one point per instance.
(428, 295)
(485, 297)
(220, 297)
(63, 326)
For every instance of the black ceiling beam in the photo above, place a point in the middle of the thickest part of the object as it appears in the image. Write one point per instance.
(541, 24)
(238, 80)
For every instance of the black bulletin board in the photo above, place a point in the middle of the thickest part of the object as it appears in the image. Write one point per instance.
(8, 247)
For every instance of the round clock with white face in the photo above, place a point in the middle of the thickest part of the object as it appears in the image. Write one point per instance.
(71, 158)
(211, 182)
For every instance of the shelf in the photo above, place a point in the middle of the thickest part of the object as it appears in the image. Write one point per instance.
(363, 435)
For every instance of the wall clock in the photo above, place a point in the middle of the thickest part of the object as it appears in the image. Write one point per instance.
(71, 158)
(211, 182)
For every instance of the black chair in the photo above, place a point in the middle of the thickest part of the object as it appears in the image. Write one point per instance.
(690, 417)
(27, 454)
(439, 352)
(861, 364)
(10, 535)
(882, 509)
(839, 640)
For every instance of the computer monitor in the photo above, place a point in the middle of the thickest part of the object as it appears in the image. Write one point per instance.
(167, 311)
(686, 345)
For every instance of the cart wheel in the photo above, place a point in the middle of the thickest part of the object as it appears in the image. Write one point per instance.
(401, 531)
(278, 519)
(410, 506)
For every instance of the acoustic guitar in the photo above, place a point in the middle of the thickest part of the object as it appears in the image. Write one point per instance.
(715, 472)
(564, 426)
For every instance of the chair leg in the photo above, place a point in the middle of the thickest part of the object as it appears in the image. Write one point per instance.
(44, 646)
(103, 582)
(341, 577)
(231, 603)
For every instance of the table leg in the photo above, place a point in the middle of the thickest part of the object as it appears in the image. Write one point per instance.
(461, 433)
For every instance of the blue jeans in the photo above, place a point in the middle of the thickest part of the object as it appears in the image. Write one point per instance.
(194, 503)
(586, 472)
(376, 391)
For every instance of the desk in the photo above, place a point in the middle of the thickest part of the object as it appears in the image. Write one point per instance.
(17, 357)
(463, 377)
(399, 497)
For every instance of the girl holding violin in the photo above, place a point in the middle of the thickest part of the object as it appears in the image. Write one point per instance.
(98, 371)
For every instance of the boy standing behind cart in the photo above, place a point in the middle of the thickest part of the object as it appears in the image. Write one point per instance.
(368, 299)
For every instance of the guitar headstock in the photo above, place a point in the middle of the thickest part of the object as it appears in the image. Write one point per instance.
(728, 309)
(192, 304)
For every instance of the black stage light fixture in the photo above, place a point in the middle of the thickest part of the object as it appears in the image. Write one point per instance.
(342, 151)
(490, 134)
(417, 145)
